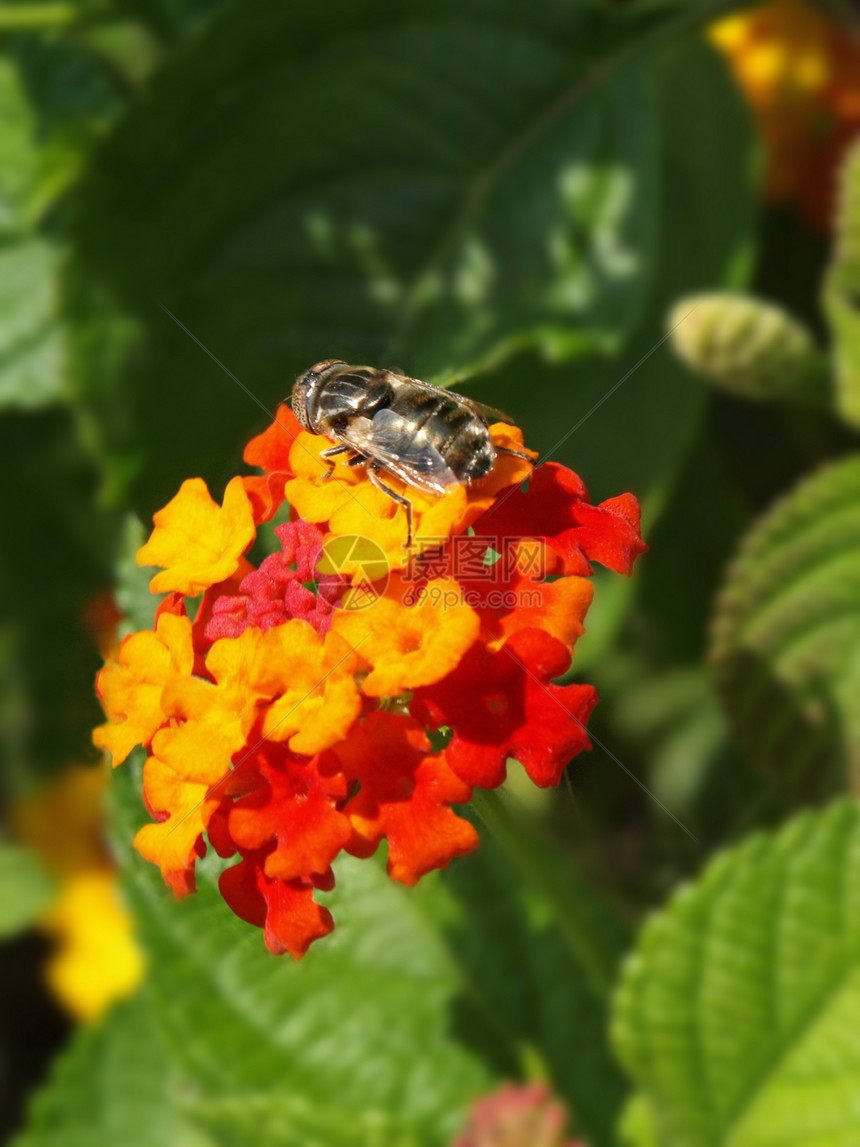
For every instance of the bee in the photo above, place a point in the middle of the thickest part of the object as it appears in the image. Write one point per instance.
(430, 438)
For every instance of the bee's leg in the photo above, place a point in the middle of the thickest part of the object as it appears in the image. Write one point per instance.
(332, 452)
(398, 498)
(356, 461)
(513, 453)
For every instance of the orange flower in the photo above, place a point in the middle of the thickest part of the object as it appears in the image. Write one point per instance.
(130, 688)
(288, 723)
(800, 71)
(183, 809)
(297, 807)
(271, 451)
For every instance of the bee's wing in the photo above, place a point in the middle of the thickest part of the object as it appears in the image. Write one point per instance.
(491, 413)
(386, 437)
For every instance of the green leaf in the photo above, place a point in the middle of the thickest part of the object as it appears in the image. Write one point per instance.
(787, 631)
(133, 597)
(501, 195)
(433, 188)
(30, 343)
(626, 421)
(53, 565)
(115, 1084)
(18, 154)
(738, 1014)
(53, 104)
(172, 20)
(30, 334)
(841, 294)
(387, 1030)
(748, 347)
(26, 888)
(637, 1127)
(72, 99)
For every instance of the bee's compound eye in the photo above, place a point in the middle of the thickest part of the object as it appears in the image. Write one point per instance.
(307, 388)
(301, 389)
(319, 367)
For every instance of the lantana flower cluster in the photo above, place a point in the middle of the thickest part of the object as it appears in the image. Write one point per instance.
(346, 691)
(799, 68)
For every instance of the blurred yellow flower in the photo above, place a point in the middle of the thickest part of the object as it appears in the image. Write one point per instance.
(96, 959)
(799, 69)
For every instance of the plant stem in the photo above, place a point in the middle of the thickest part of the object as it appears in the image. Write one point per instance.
(561, 888)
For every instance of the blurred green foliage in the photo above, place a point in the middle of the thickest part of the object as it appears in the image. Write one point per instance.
(26, 888)
(513, 198)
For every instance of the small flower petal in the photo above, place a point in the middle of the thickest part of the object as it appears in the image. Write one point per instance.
(510, 602)
(130, 689)
(310, 685)
(405, 645)
(556, 507)
(196, 541)
(210, 721)
(96, 960)
(175, 843)
(271, 449)
(295, 808)
(405, 797)
(503, 705)
(608, 533)
(286, 910)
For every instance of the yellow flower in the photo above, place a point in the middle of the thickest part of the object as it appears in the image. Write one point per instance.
(96, 959)
(197, 541)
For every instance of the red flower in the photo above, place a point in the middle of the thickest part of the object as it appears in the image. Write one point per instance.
(556, 508)
(285, 909)
(502, 705)
(292, 813)
(404, 796)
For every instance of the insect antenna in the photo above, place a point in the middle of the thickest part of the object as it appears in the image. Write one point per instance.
(513, 453)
